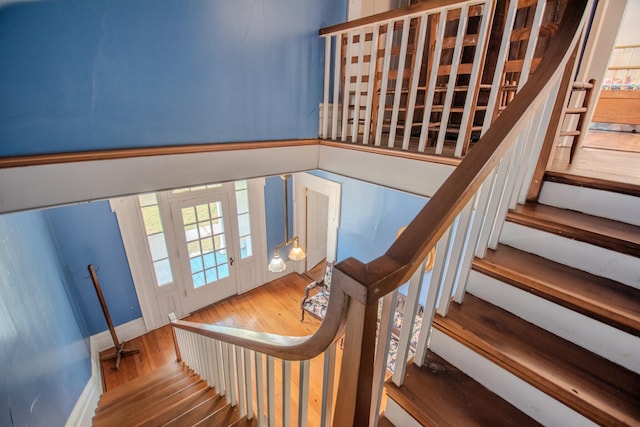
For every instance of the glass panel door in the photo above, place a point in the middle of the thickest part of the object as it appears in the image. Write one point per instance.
(204, 238)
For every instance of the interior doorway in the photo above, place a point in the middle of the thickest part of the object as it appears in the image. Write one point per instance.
(317, 204)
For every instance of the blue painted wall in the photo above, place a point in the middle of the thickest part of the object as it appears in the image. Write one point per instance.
(99, 74)
(44, 355)
(88, 234)
(274, 213)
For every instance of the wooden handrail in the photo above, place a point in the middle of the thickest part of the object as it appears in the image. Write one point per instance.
(356, 286)
(402, 259)
(391, 14)
(281, 346)
(127, 153)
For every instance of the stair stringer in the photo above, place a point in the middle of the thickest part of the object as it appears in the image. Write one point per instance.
(583, 256)
(611, 343)
(530, 400)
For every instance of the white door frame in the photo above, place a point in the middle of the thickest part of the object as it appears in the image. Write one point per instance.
(303, 181)
(127, 212)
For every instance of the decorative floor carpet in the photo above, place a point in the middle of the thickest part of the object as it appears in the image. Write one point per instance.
(317, 307)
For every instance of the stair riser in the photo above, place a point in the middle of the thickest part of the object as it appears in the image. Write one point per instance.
(602, 339)
(522, 395)
(606, 204)
(583, 256)
(398, 416)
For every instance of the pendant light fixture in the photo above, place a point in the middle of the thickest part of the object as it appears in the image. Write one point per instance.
(277, 264)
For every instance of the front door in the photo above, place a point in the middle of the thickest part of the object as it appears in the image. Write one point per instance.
(204, 243)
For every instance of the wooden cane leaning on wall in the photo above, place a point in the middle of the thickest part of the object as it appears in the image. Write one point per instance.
(120, 351)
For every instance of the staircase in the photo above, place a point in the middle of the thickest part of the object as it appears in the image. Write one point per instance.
(550, 322)
(171, 396)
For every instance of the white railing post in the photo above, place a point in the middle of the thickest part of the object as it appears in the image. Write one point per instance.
(389, 304)
(410, 310)
(399, 79)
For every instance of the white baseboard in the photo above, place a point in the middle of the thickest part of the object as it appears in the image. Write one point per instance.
(125, 332)
(85, 408)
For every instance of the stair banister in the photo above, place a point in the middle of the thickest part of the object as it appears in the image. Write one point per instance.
(357, 287)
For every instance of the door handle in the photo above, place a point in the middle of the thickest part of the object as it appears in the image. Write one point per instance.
(231, 260)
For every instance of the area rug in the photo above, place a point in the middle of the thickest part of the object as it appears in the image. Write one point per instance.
(317, 307)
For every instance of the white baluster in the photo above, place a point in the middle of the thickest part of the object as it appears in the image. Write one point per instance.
(497, 194)
(222, 369)
(286, 393)
(389, 304)
(442, 249)
(327, 80)
(496, 91)
(303, 393)
(247, 376)
(242, 393)
(259, 387)
(231, 389)
(474, 80)
(327, 385)
(271, 386)
(431, 78)
(525, 183)
(406, 331)
(531, 44)
(336, 88)
(415, 80)
(453, 76)
(468, 251)
(385, 81)
(452, 270)
(346, 91)
(356, 102)
(372, 78)
(399, 77)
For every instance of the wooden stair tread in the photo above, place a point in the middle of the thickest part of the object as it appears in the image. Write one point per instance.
(599, 389)
(143, 411)
(148, 395)
(440, 394)
(603, 299)
(225, 417)
(168, 370)
(614, 235)
(176, 409)
(595, 183)
(198, 412)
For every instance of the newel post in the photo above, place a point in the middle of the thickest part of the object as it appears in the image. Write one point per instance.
(355, 385)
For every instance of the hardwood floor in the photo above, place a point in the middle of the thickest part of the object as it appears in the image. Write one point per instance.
(610, 156)
(273, 307)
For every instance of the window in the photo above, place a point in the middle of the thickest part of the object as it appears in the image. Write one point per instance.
(156, 238)
(244, 221)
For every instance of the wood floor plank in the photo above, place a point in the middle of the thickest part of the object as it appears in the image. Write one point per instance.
(599, 389)
(602, 299)
(614, 235)
(439, 394)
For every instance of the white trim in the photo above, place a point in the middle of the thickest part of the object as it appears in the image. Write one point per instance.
(126, 331)
(413, 176)
(333, 191)
(85, 407)
(65, 183)
(126, 210)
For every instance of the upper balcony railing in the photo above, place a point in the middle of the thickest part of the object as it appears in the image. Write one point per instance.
(433, 77)
(462, 219)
